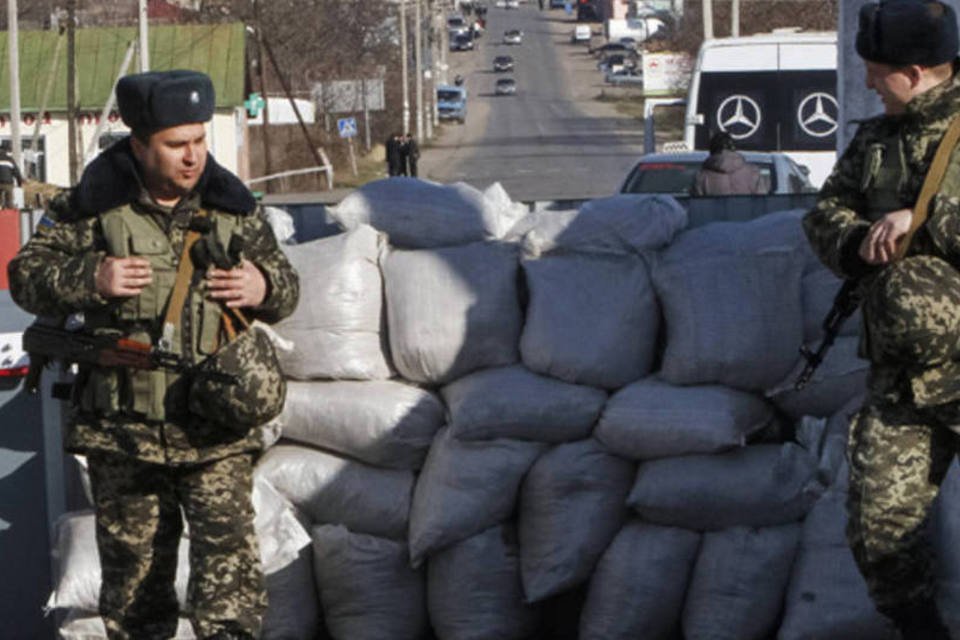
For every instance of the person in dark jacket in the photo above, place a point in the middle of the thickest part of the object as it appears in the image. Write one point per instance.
(726, 172)
(395, 164)
(411, 153)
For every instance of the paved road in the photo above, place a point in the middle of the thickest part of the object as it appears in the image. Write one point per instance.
(551, 140)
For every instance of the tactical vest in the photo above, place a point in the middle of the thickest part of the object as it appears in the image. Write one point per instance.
(142, 394)
(884, 177)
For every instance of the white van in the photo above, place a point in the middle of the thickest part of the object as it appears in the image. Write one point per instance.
(771, 92)
(581, 33)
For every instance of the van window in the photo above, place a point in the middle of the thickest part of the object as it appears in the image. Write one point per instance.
(446, 95)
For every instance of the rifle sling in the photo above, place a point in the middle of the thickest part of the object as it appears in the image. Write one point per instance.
(931, 184)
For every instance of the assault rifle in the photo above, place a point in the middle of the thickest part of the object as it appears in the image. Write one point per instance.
(45, 343)
(845, 304)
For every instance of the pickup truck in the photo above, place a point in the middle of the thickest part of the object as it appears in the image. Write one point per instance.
(452, 103)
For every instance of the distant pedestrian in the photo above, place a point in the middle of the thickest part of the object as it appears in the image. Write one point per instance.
(411, 152)
(726, 172)
(394, 157)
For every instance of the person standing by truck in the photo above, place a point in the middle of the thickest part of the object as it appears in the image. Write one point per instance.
(111, 248)
(904, 438)
(726, 172)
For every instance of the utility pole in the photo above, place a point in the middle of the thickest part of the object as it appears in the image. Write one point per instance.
(144, 43)
(72, 90)
(735, 19)
(418, 53)
(708, 19)
(14, 53)
(403, 66)
(265, 131)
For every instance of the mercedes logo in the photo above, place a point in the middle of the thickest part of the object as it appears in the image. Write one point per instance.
(818, 114)
(740, 116)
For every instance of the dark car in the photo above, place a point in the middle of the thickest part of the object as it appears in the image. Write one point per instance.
(674, 173)
(503, 63)
(461, 42)
(505, 87)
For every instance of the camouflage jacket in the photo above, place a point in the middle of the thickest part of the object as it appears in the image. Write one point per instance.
(53, 275)
(882, 170)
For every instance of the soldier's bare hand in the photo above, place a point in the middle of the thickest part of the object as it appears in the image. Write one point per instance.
(880, 244)
(122, 277)
(242, 286)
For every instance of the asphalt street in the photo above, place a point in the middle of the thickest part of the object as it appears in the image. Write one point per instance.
(553, 139)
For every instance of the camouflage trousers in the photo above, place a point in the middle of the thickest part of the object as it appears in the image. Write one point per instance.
(899, 455)
(139, 526)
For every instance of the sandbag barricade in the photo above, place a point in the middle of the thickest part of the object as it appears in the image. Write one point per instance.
(583, 415)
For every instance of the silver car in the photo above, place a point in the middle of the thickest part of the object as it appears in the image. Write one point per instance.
(674, 173)
(513, 36)
(505, 87)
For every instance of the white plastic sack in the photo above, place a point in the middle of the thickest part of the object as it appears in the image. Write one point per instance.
(638, 588)
(420, 214)
(731, 319)
(571, 507)
(841, 376)
(738, 583)
(820, 287)
(827, 596)
(756, 486)
(513, 402)
(381, 422)
(652, 419)
(464, 488)
(591, 320)
(367, 587)
(474, 591)
(338, 320)
(88, 625)
(452, 311)
(620, 224)
(329, 489)
(281, 223)
(504, 213)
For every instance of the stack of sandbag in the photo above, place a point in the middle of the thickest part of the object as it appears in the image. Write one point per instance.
(293, 610)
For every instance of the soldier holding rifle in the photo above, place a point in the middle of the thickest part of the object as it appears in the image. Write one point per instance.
(888, 217)
(110, 248)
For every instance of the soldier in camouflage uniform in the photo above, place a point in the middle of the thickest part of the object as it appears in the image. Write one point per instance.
(109, 248)
(902, 441)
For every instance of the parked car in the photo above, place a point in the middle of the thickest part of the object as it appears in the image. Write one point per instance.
(558, 4)
(616, 62)
(581, 33)
(461, 42)
(674, 173)
(625, 76)
(513, 4)
(457, 24)
(503, 63)
(505, 87)
(513, 36)
(609, 48)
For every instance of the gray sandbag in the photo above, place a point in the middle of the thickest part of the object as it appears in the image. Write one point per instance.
(653, 419)
(513, 402)
(945, 529)
(731, 318)
(367, 588)
(464, 488)
(638, 588)
(384, 423)
(820, 287)
(827, 597)
(841, 376)
(592, 319)
(777, 229)
(474, 591)
(329, 489)
(620, 224)
(755, 486)
(738, 583)
(571, 507)
(293, 609)
(452, 311)
(420, 214)
(337, 324)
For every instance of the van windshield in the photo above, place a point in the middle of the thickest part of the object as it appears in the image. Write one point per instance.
(448, 95)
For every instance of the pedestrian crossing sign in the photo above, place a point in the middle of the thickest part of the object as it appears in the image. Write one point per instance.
(347, 127)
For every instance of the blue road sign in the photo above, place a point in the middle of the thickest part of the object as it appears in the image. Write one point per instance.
(347, 127)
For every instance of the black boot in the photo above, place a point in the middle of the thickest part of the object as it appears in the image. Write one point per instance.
(919, 621)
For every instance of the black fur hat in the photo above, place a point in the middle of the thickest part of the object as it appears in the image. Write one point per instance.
(904, 32)
(157, 100)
